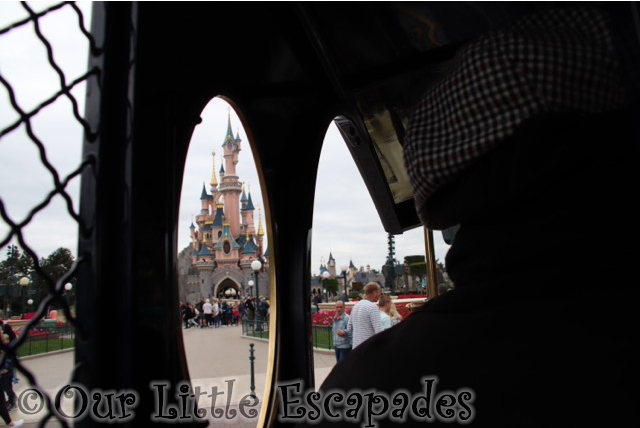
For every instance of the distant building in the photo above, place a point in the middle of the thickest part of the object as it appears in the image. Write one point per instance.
(363, 275)
(224, 238)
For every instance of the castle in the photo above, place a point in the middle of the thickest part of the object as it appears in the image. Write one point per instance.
(224, 239)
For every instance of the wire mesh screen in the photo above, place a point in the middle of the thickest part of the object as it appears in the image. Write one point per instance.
(43, 74)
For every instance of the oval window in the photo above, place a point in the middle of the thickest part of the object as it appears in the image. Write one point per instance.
(226, 247)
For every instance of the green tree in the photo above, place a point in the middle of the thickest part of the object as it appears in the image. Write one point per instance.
(16, 265)
(330, 284)
(55, 266)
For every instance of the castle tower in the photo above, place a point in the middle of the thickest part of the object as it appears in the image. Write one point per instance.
(247, 214)
(230, 188)
(331, 266)
(205, 202)
(323, 268)
(351, 271)
(243, 212)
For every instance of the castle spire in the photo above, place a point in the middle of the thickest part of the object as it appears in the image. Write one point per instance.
(214, 180)
(229, 136)
(250, 202)
(260, 229)
(204, 194)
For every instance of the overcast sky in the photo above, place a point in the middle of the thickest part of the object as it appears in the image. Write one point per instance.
(24, 181)
(345, 220)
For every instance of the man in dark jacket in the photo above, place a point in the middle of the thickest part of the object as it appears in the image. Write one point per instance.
(510, 146)
(6, 328)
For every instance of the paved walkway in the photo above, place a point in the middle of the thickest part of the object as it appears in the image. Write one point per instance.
(216, 357)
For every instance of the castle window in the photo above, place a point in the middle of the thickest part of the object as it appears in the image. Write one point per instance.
(226, 247)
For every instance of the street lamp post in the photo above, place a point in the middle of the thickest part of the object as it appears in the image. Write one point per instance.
(67, 291)
(24, 284)
(325, 275)
(344, 268)
(67, 288)
(256, 266)
(250, 283)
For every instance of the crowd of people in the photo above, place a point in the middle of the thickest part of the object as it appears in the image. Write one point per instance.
(223, 312)
(371, 315)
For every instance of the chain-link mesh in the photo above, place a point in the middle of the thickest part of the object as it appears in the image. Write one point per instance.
(35, 127)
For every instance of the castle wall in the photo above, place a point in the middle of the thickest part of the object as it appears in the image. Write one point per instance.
(195, 284)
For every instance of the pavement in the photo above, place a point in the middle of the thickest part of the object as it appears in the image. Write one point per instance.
(217, 357)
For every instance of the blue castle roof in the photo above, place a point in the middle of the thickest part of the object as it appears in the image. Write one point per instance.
(219, 218)
(249, 247)
(250, 203)
(226, 236)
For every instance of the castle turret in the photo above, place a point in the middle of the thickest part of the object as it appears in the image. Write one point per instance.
(214, 180)
(247, 215)
(204, 200)
(331, 266)
(243, 199)
(260, 232)
(243, 212)
(250, 248)
(351, 271)
(230, 187)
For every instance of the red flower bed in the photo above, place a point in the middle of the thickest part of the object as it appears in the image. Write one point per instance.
(402, 308)
(35, 332)
(326, 317)
(410, 296)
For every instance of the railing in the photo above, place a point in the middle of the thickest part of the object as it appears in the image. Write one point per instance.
(322, 336)
(47, 339)
(254, 328)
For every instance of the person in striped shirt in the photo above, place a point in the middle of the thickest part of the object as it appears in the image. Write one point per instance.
(365, 315)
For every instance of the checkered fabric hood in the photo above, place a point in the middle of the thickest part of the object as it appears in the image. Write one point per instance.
(554, 61)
